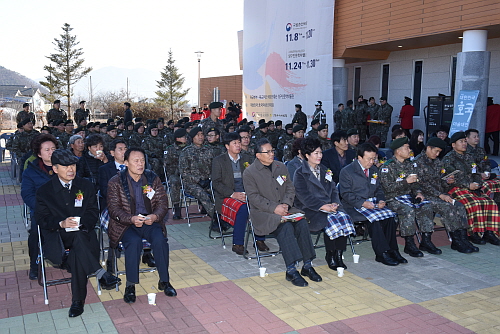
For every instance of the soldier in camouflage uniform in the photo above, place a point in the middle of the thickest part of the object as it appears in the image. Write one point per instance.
(453, 215)
(25, 113)
(246, 147)
(300, 117)
(213, 141)
(171, 161)
(162, 130)
(348, 117)
(273, 134)
(67, 133)
(398, 177)
(136, 138)
(361, 112)
(467, 187)
(213, 121)
(313, 133)
(195, 165)
(56, 112)
(337, 118)
(129, 130)
(298, 132)
(372, 110)
(58, 128)
(155, 148)
(111, 134)
(384, 115)
(353, 138)
(323, 137)
(260, 133)
(82, 113)
(283, 139)
(21, 144)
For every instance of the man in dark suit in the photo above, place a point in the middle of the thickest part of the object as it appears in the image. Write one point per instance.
(66, 210)
(270, 194)
(339, 156)
(230, 191)
(359, 185)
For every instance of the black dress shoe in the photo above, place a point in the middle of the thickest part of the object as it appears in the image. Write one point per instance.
(312, 274)
(76, 308)
(396, 255)
(475, 238)
(261, 245)
(129, 295)
(296, 279)
(33, 274)
(147, 258)
(386, 259)
(169, 289)
(109, 281)
(491, 237)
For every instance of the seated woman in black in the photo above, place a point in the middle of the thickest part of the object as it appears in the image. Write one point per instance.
(316, 194)
(93, 158)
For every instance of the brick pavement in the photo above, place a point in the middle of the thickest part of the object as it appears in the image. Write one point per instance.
(221, 292)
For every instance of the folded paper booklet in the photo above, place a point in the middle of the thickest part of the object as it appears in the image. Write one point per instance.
(294, 217)
(73, 229)
(448, 175)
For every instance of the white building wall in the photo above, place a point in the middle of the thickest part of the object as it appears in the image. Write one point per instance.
(436, 77)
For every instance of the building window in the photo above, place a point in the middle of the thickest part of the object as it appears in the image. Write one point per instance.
(453, 75)
(385, 80)
(357, 83)
(417, 86)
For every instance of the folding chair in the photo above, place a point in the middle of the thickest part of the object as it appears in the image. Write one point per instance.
(318, 234)
(42, 277)
(187, 198)
(251, 232)
(168, 189)
(26, 216)
(13, 165)
(222, 235)
(419, 233)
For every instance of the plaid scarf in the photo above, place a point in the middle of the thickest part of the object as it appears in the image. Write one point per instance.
(339, 224)
(376, 214)
(406, 199)
(230, 207)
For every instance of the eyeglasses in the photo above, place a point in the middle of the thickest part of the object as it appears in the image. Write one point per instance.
(246, 137)
(269, 152)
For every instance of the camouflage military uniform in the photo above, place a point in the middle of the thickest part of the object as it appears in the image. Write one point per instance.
(285, 137)
(126, 135)
(287, 150)
(273, 137)
(64, 138)
(453, 216)
(483, 165)
(257, 136)
(195, 165)
(337, 120)
(361, 112)
(107, 139)
(217, 148)
(373, 112)
(155, 148)
(171, 160)
(136, 139)
(313, 133)
(208, 123)
(250, 153)
(393, 176)
(348, 119)
(81, 114)
(22, 115)
(300, 118)
(56, 114)
(384, 114)
(21, 144)
(325, 143)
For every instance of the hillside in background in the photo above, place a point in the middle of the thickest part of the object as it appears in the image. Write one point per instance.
(8, 77)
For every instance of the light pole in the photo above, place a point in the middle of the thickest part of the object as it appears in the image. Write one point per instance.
(198, 54)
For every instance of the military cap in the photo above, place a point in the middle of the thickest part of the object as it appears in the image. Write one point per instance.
(103, 125)
(214, 130)
(137, 126)
(323, 126)
(250, 123)
(178, 125)
(456, 136)
(129, 123)
(57, 101)
(436, 142)
(241, 123)
(314, 122)
(244, 128)
(318, 103)
(68, 122)
(383, 98)
(352, 132)
(110, 120)
(138, 119)
(56, 122)
(297, 128)
(79, 129)
(262, 120)
(45, 128)
(120, 121)
(194, 131)
(288, 126)
(278, 122)
(187, 125)
(397, 143)
(180, 133)
(407, 98)
(214, 105)
(19, 125)
(170, 122)
(110, 128)
(263, 125)
(270, 122)
(63, 158)
(298, 106)
(27, 104)
(185, 119)
(161, 119)
(25, 121)
(97, 123)
(83, 102)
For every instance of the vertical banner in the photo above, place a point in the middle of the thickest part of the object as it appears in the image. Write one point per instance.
(287, 58)
(462, 112)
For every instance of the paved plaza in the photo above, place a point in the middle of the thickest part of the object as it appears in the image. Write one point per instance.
(221, 292)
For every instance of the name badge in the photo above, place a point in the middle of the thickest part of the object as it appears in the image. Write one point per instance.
(328, 178)
(78, 203)
(474, 170)
(373, 181)
(280, 180)
(399, 179)
(150, 194)
(237, 175)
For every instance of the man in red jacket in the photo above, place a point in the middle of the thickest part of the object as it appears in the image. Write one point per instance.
(406, 116)
(492, 127)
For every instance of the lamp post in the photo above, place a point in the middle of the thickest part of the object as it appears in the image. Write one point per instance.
(198, 54)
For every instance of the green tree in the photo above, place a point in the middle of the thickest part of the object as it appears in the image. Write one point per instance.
(170, 91)
(66, 66)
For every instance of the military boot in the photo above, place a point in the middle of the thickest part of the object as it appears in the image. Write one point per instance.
(458, 244)
(410, 247)
(338, 258)
(491, 237)
(465, 240)
(427, 245)
(476, 238)
(177, 212)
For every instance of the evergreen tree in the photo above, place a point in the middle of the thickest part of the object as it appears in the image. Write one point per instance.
(170, 91)
(66, 67)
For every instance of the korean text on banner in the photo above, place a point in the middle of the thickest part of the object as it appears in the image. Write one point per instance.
(462, 112)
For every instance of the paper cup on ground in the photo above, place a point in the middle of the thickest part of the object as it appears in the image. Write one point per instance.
(262, 272)
(355, 258)
(340, 272)
(152, 298)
